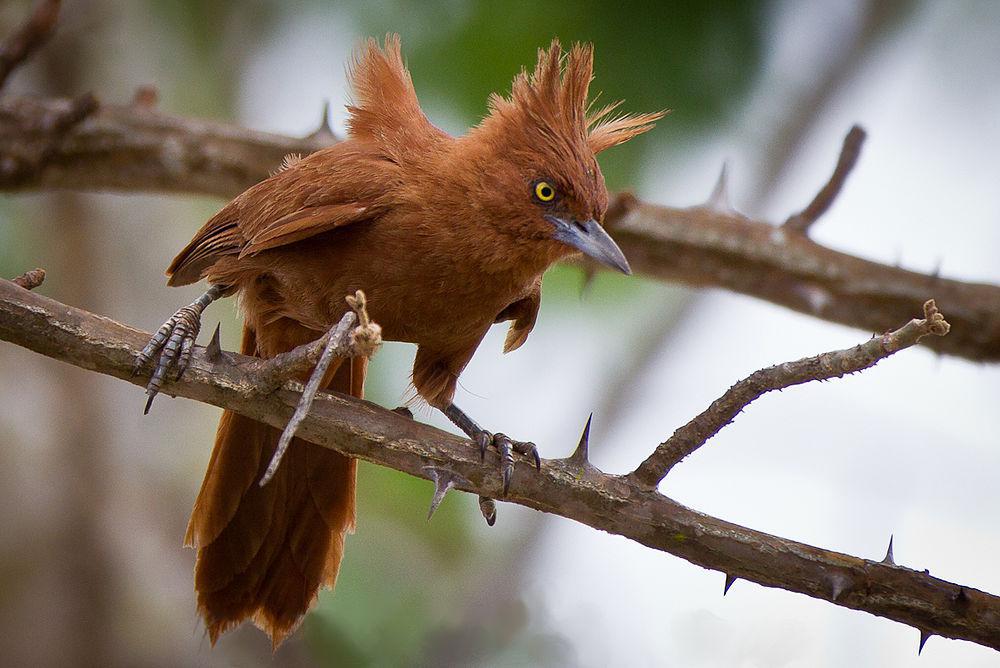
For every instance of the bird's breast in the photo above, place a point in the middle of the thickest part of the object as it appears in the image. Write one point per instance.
(422, 287)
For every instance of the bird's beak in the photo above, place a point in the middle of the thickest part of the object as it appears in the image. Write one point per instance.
(588, 236)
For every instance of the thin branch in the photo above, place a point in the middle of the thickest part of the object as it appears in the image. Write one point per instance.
(610, 503)
(27, 39)
(30, 280)
(363, 340)
(849, 154)
(343, 340)
(829, 365)
(134, 149)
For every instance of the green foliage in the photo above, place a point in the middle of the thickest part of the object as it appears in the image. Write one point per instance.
(695, 58)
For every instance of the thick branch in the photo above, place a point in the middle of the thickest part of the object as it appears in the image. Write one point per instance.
(135, 149)
(825, 366)
(703, 247)
(582, 493)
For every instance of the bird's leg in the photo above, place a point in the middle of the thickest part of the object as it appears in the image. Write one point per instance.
(174, 342)
(505, 445)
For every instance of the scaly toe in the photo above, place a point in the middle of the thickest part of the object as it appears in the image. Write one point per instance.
(528, 449)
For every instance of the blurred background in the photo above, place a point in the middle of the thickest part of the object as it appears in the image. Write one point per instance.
(94, 497)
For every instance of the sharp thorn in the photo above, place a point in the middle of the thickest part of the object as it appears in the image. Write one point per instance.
(404, 411)
(730, 579)
(962, 597)
(719, 201)
(488, 508)
(213, 351)
(324, 131)
(443, 480)
(888, 560)
(581, 456)
(924, 635)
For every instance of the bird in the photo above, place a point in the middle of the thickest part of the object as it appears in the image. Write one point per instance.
(446, 235)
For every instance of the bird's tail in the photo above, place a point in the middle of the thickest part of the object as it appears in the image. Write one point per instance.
(264, 552)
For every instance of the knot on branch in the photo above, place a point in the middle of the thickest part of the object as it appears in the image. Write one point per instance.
(30, 280)
(934, 321)
(366, 338)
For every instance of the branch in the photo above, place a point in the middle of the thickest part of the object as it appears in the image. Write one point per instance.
(849, 154)
(565, 487)
(700, 246)
(835, 364)
(133, 148)
(28, 38)
(342, 340)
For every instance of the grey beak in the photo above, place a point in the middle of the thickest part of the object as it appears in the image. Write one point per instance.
(590, 238)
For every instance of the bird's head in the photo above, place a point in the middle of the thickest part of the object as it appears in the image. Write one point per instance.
(537, 172)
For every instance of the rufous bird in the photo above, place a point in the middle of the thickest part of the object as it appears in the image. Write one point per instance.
(445, 235)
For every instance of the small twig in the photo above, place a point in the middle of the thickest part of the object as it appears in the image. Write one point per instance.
(350, 341)
(269, 374)
(30, 280)
(341, 341)
(834, 364)
(849, 153)
(28, 38)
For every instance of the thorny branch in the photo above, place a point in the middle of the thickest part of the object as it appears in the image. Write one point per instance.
(77, 144)
(571, 487)
(133, 148)
(834, 364)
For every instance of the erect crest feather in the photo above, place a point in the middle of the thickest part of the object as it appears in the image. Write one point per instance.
(554, 98)
(385, 108)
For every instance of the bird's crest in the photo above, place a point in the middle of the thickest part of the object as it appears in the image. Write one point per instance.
(554, 98)
(385, 109)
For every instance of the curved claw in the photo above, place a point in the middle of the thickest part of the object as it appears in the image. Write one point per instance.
(528, 449)
(483, 440)
(505, 447)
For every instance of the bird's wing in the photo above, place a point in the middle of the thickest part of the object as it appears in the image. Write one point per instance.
(302, 224)
(523, 312)
(341, 185)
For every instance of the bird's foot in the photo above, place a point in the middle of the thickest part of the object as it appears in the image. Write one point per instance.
(172, 344)
(505, 447)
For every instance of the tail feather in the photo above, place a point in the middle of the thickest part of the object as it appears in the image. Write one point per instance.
(264, 552)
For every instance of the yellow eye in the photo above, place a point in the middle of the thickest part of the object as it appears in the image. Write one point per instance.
(544, 191)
